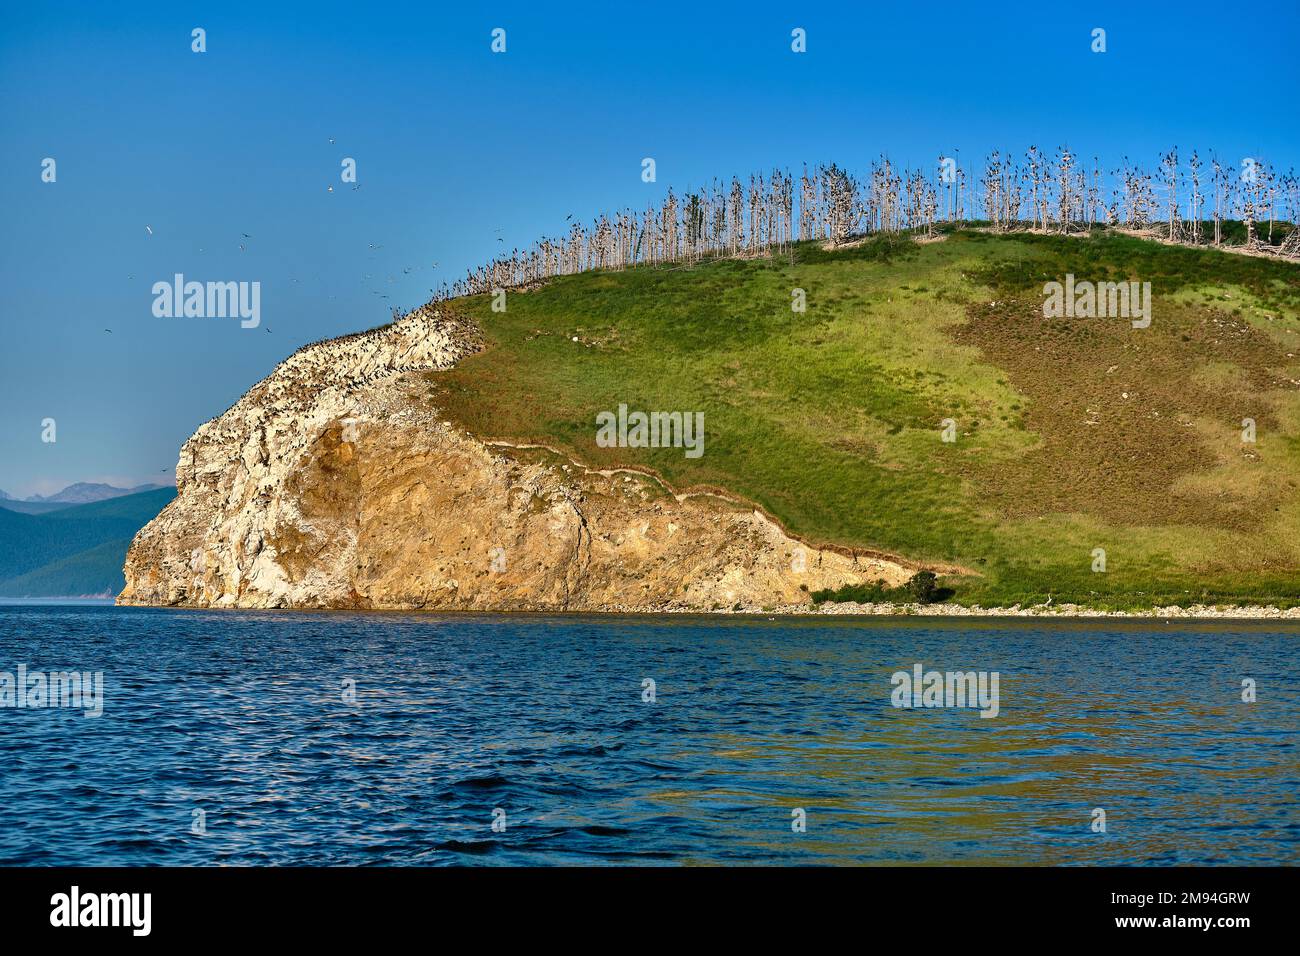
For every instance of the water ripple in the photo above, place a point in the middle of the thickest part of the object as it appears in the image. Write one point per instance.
(233, 739)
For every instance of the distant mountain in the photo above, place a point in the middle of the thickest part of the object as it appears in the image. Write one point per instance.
(95, 572)
(84, 492)
(33, 507)
(75, 550)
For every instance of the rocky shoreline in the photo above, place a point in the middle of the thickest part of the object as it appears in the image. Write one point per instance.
(334, 484)
(1195, 612)
(1192, 612)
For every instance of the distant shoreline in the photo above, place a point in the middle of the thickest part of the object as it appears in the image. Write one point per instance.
(73, 599)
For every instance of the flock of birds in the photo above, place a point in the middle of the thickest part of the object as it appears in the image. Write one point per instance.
(374, 247)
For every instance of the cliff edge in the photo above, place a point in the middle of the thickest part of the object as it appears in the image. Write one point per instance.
(333, 483)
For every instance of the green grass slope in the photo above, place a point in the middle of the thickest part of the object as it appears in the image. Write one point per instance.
(73, 551)
(1073, 434)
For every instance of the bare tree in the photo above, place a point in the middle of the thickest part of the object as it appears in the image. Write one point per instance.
(1169, 164)
(767, 216)
(1194, 175)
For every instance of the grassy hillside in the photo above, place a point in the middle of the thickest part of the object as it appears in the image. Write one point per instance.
(1073, 434)
(73, 551)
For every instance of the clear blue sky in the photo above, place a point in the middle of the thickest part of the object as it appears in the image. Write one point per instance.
(455, 145)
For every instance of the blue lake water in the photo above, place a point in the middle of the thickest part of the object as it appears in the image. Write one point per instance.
(244, 717)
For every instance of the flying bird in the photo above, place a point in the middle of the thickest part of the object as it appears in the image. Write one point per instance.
(149, 229)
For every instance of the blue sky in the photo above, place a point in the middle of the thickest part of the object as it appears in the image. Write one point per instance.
(456, 146)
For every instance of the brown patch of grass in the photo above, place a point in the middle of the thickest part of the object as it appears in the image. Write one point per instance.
(1124, 459)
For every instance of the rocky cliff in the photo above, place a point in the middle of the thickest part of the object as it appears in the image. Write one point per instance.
(333, 483)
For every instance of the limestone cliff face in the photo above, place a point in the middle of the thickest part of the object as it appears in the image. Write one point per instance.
(333, 483)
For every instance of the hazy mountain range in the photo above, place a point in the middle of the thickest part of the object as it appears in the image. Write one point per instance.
(82, 492)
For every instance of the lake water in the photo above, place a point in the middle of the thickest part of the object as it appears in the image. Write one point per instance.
(242, 725)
